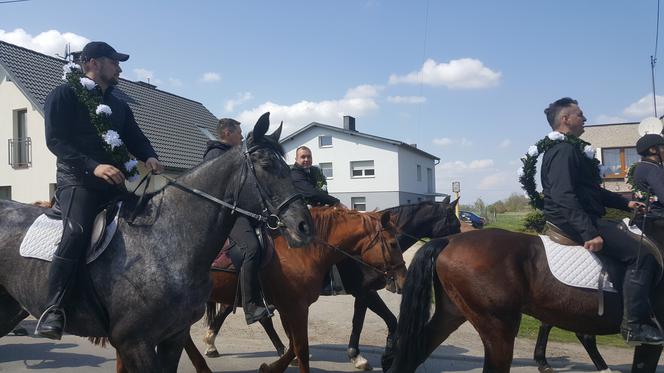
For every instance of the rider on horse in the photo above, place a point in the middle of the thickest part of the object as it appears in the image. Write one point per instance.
(575, 202)
(88, 176)
(648, 174)
(309, 180)
(244, 230)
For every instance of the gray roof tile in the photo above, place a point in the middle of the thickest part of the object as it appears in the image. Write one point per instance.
(168, 120)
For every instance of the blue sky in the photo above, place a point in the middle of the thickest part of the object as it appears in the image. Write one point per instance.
(467, 81)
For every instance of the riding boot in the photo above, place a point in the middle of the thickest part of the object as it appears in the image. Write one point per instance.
(636, 327)
(51, 324)
(252, 301)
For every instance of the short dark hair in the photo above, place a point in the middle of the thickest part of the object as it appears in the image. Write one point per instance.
(227, 124)
(302, 148)
(556, 107)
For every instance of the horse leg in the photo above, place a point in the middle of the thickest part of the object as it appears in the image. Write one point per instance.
(170, 350)
(119, 365)
(590, 344)
(375, 304)
(498, 336)
(213, 330)
(540, 348)
(292, 321)
(136, 356)
(359, 313)
(197, 360)
(646, 358)
(11, 313)
(267, 324)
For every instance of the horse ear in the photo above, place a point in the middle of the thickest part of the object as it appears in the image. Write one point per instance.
(385, 219)
(277, 133)
(446, 200)
(261, 127)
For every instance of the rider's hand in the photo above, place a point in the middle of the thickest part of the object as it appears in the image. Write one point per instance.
(636, 205)
(154, 165)
(594, 245)
(109, 173)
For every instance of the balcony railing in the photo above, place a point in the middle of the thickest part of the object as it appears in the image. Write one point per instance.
(20, 152)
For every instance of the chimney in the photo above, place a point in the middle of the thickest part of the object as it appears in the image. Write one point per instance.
(413, 145)
(146, 84)
(349, 123)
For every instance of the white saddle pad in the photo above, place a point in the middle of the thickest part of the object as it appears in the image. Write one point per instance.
(574, 265)
(44, 235)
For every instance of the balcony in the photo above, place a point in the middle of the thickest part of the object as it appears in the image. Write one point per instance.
(20, 152)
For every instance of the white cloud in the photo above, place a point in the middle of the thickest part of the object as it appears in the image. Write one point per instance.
(444, 141)
(477, 164)
(494, 181)
(643, 107)
(51, 42)
(464, 73)
(144, 74)
(406, 99)
(357, 101)
(210, 77)
(239, 99)
(505, 143)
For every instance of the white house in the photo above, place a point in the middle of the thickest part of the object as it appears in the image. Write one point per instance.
(177, 127)
(364, 171)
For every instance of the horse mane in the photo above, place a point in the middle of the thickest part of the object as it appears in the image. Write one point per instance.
(327, 217)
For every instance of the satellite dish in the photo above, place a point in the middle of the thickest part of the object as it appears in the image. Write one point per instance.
(650, 125)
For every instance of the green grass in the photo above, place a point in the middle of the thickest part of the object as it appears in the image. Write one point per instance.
(529, 326)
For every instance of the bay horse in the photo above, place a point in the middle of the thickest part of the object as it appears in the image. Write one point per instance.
(292, 279)
(148, 268)
(490, 277)
(412, 222)
(654, 229)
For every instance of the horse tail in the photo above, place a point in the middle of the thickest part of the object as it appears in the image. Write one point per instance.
(99, 341)
(415, 309)
(210, 313)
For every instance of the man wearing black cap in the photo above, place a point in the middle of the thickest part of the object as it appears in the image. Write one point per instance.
(648, 174)
(575, 201)
(87, 176)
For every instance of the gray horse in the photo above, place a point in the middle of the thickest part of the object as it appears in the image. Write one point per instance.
(153, 280)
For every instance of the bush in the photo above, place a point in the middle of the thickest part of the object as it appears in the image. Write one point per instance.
(534, 221)
(615, 214)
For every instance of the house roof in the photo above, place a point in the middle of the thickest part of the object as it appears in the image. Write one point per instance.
(172, 123)
(359, 134)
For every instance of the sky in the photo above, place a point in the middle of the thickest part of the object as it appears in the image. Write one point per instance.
(467, 81)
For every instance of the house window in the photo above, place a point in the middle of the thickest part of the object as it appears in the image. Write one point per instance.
(5, 192)
(325, 141)
(362, 169)
(430, 186)
(419, 173)
(19, 144)
(326, 168)
(618, 160)
(358, 203)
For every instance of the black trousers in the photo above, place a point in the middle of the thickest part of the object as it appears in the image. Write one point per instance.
(621, 246)
(79, 205)
(244, 235)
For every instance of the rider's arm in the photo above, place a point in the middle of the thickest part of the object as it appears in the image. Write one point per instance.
(137, 143)
(60, 113)
(562, 174)
(614, 200)
(308, 191)
(655, 180)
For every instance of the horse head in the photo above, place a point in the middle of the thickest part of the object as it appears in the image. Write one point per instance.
(383, 251)
(448, 223)
(275, 184)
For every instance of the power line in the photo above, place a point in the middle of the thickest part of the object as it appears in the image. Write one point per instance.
(653, 61)
(12, 1)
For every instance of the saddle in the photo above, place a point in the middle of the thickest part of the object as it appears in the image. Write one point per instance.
(231, 256)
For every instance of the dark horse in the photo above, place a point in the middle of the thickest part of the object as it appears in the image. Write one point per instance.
(162, 266)
(654, 229)
(413, 221)
(292, 279)
(489, 277)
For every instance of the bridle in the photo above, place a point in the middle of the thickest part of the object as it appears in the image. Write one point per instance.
(269, 214)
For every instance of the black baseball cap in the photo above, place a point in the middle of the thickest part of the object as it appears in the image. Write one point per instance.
(648, 141)
(97, 49)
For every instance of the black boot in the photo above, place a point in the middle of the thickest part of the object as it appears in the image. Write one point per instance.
(51, 324)
(637, 328)
(252, 301)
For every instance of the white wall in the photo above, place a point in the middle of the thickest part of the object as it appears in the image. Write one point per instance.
(32, 183)
(346, 148)
(408, 161)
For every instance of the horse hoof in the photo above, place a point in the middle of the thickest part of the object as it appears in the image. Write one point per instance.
(361, 363)
(545, 369)
(264, 368)
(212, 353)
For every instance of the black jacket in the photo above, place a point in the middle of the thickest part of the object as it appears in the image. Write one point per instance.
(649, 177)
(573, 200)
(305, 181)
(215, 149)
(75, 142)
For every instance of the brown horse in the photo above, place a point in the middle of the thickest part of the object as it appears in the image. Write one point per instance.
(292, 280)
(412, 221)
(490, 277)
